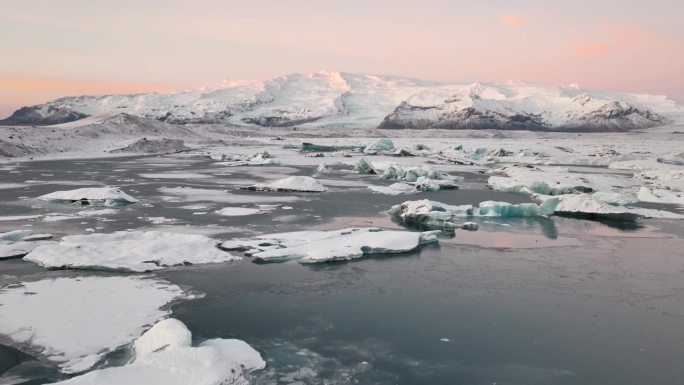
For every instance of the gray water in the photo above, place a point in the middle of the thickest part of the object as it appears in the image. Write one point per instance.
(522, 301)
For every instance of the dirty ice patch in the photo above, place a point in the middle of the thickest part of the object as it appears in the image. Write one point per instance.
(136, 251)
(326, 246)
(191, 194)
(91, 195)
(164, 355)
(291, 184)
(74, 322)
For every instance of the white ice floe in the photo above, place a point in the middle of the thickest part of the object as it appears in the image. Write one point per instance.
(325, 246)
(16, 244)
(584, 205)
(137, 251)
(291, 183)
(260, 159)
(394, 189)
(164, 355)
(661, 195)
(93, 213)
(106, 195)
(553, 181)
(616, 198)
(238, 211)
(74, 322)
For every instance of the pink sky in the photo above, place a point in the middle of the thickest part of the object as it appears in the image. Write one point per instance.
(54, 48)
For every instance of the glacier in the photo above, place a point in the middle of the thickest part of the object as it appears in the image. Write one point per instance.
(327, 99)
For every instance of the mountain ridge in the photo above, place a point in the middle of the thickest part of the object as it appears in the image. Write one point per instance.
(338, 99)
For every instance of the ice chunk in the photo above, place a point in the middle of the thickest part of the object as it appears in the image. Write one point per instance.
(660, 195)
(585, 206)
(322, 168)
(311, 147)
(91, 195)
(164, 355)
(363, 166)
(435, 215)
(507, 210)
(615, 198)
(238, 211)
(137, 251)
(74, 322)
(394, 189)
(260, 159)
(324, 246)
(381, 147)
(291, 183)
(16, 244)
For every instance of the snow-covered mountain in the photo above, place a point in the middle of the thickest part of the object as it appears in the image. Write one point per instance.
(335, 99)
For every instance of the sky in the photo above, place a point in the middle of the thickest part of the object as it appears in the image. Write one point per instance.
(53, 48)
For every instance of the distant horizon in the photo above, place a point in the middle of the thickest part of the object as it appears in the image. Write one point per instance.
(6, 113)
(74, 47)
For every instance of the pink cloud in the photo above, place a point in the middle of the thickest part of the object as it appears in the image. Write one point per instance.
(515, 20)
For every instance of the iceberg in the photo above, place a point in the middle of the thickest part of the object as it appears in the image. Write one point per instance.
(616, 198)
(74, 322)
(290, 184)
(311, 147)
(164, 355)
(326, 246)
(135, 251)
(435, 215)
(363, 166)
(91, 195)
(381, 147)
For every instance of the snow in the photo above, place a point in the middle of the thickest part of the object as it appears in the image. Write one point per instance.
(326, 246)
(17, 243)
(584, 205)
(291, 183)
(136, 251)
(238, 211)
(74, 322)
(164, 355)
(329, 99)
(106, 195)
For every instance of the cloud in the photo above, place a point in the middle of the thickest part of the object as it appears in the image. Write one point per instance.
(591, 49)
(514, 20)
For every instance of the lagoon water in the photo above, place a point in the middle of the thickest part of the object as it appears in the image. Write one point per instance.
(521, 301)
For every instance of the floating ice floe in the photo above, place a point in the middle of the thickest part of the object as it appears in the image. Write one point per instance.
(16, 244)
(661, 195)
(616, 198)
(325, 246)
(586, 206)
(93, 213)
(394, 189)
(238, 211)
(136, 251)
(164, 355)
(191, 194)
(74, 322)
(435, 215)
(290, 184)
(553, 181)
(260, 159)
(381, 147)
(91, 195)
